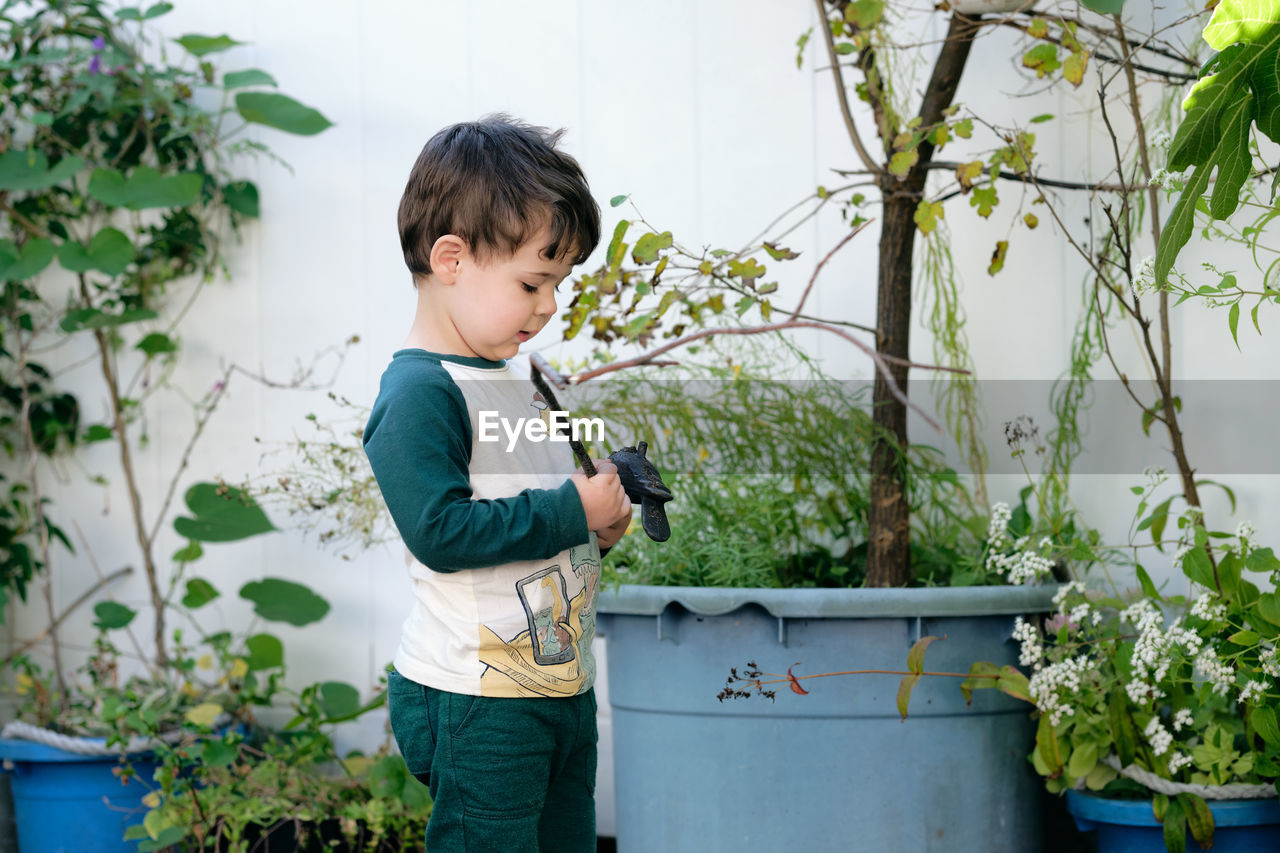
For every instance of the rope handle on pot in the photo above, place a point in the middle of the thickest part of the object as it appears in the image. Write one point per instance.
(1165, 786)
(19, 730)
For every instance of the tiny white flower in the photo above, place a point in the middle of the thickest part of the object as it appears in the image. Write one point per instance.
(1183, 719)
(1253, 690)
(1158, 736)
(1178, 761)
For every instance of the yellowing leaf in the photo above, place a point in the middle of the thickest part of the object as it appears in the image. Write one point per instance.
(239, 668)
(25, 683)
(152, 799)
(1032, 220)
(927, 215)
(967, 173)
(1039, 28)
(204, 662)
(963, 128)
(1073, 68)
(204, 714)
(985, 199)
(997, 257)
(1043, 59)
(705, 267)
(901, 162)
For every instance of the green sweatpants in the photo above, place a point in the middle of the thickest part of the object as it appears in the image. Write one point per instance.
(506, 775)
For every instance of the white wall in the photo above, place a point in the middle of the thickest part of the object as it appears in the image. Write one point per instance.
(694, 108)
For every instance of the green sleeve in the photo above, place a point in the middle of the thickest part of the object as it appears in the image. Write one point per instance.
(418, 440)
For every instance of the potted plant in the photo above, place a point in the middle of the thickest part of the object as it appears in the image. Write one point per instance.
(116, 192)
(651, 287)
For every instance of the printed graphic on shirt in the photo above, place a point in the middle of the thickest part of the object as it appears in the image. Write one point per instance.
(547, 659)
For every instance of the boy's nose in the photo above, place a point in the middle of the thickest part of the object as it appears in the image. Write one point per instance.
(547, 303)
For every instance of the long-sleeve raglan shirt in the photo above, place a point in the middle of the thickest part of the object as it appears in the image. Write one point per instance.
(503, 569)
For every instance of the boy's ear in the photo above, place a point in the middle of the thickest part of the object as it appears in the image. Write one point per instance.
(446, 254)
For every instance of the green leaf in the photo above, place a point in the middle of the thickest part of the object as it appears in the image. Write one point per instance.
(157, 10)
(281, 112)
(1175, 827)
(112, 615)
(979, 678)
(27, 262)
(1244, 638)
(1268, 605)
(1083, 759)
(199, 591)
(265, 651)
(915, 657)
(648, 245)
(905, 687)
(222, 514)
(247, 77)
(1104, 7)
(618, 199)
(242, 197)
(1199, 819)
(29, 170)
(1041, 118)
(1262, 560)
(198, 45)
(109, 252)
(217, 753)
(337, 700)
(1047, 745)
(145, 188)
(1043, 59)
(284, 601)
(1263, 720)
(1196, 565)
(1122, 733)
(902, 161)
(864, 14)
(92, 318)
(1013, 683)
(97, 432)
(1148, 586)
(985, 199)
(156, 343)
(927, 215)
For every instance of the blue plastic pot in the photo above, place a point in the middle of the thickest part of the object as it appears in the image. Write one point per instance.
(837, 769)
(64, 802)
(1129, 826)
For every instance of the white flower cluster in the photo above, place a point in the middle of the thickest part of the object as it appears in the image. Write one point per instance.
(998, 526)
(1183, 719)
(1144, 278)
(1158, 736)
(1161, 138)
(1053, 686)
(1020, 567)
(1252, 691)
(1067, 589)
(1031, 649)
(1270, 666)
(1245, 532)
(1177, 761)
(1206, 607)
(1153, 651)
(1178, 555)
(1172, 181)
(1222, 674)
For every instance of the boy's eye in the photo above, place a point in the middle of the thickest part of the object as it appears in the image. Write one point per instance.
(529, 288)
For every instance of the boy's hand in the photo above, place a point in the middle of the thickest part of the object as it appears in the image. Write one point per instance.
(603, 498)
(607, 537)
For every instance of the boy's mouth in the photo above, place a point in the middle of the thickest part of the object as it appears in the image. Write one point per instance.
(523, 336)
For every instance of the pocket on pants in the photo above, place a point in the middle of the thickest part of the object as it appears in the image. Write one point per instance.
(412, 724)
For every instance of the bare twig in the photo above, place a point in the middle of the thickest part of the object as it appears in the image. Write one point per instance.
(842, 96)
(804, 297)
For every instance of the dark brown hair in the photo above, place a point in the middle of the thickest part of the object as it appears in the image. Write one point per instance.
(495, 183)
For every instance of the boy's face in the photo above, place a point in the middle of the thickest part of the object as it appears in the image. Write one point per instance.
(500, 303)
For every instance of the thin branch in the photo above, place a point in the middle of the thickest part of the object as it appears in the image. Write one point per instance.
(55, 622)
(804, 297)
(1178, 76)
(842, 95)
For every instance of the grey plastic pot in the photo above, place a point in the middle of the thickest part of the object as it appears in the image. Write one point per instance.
(837, 769)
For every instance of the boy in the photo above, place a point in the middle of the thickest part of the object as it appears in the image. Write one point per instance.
(491, 699)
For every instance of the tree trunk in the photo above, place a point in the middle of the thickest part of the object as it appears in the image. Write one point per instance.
(889, 520)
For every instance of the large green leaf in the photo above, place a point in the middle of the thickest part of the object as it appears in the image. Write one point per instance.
(109, 251)
(199, 45)
(199, 593)
(281, 112)
(284, 601)
(145, 188)
(1104, 7)
(222, 514)
(337, 699)
(265, 651)
(19, 264)
(1238, 88)
(247, 77)
(112, 615)
(29, 170)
